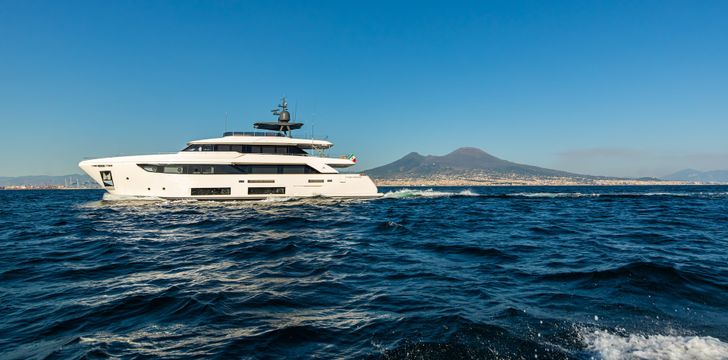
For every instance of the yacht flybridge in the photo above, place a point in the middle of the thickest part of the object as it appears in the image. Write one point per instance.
(239, 165)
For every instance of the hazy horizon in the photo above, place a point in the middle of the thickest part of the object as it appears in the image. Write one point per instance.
(617, 89)
(426, 154)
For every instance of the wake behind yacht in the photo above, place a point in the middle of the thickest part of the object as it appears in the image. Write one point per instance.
(237, 166)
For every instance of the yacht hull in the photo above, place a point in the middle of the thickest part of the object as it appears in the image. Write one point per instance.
(127, 178)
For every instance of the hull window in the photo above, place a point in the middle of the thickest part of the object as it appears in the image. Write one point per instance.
(276, 169)
(266, 191)
(291, 170)
(201, 169)
(173, 169)
(210, 191)
(149, 168)
(107, 179)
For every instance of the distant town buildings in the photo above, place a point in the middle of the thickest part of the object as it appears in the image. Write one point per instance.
(517, 180)
(69, 183)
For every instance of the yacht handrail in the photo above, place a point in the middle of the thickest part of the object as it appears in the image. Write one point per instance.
(129, 154)
(252, 133)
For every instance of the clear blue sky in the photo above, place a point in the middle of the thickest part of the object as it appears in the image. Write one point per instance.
(629, 88)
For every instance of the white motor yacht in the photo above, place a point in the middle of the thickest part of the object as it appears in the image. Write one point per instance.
(237, 166)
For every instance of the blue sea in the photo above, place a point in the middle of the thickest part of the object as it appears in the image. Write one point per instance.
(422, 273)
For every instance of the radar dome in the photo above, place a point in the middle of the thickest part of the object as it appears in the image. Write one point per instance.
(284, 116)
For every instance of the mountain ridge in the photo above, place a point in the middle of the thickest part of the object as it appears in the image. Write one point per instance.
(464, 161)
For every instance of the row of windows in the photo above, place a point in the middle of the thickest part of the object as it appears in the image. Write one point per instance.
(226, 191)
(249, 149)
(203, 169)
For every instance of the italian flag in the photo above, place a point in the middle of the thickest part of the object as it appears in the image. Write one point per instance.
(352, 158)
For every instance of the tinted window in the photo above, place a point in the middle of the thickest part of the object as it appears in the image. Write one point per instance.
(249, 149)
(263, 169)
(210, 191)
(193, 148)
(296, 150)
(150, 168)
(200, 169)
(225, 169)
(266, 190)
(107, 179)
(173, 169)
(293, 169)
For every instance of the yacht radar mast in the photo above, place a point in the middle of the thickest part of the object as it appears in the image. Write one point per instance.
(283, 124)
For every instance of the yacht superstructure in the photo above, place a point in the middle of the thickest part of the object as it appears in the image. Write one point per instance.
(239, 165)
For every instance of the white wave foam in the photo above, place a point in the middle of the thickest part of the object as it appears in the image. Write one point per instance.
(277, 199)
(428, 193)
(116, 197)
(669, 194)
(613, 347)
(615, 194)
(551, 195)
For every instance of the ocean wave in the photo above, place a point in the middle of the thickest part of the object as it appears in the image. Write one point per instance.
(407, 193)
(278, 199)
(128, 198)
(427, 193)
(468, 250)
(551, 195)
(642, 273)
(616, 194)
(391, 226)
(610, 346)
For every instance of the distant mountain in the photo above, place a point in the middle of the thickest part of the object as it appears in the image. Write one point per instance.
(715, 176)
(463, 160)
(45, 180)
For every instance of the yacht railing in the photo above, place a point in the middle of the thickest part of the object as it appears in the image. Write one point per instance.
(322, 154)
(252, 133)
(128, 154)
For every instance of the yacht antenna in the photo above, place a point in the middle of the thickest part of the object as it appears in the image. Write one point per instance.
(284, 123)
